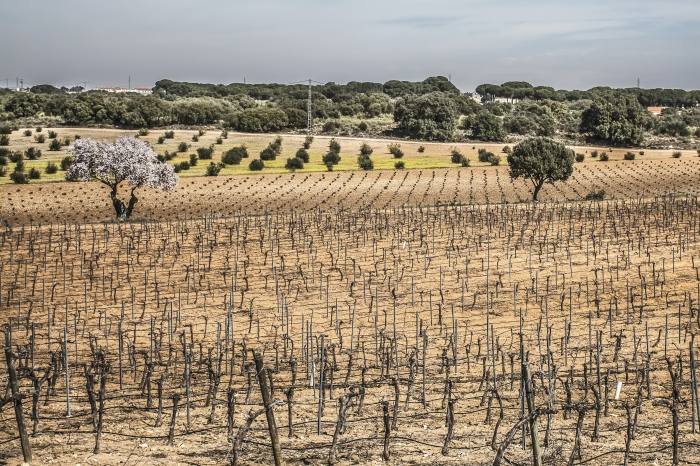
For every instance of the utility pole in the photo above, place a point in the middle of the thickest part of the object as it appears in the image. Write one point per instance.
(17, 85)
(129, 82)
(308, 112)
(637, 83)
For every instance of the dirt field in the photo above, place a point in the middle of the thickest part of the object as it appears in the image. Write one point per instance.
(385, 283)
(227, 195)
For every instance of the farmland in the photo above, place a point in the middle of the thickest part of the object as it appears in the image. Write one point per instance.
(413, 295)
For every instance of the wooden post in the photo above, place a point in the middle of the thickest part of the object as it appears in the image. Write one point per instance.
(530, 398)
(262, 379)
(23, 438)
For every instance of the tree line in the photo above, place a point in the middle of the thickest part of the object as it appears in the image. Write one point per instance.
(433, 109)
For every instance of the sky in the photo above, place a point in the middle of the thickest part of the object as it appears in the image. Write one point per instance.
(567, 44)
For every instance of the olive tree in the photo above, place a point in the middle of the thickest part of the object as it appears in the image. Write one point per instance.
(127, 161)
(541, 160)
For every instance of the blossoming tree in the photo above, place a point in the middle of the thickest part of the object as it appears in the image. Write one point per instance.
(127, 161)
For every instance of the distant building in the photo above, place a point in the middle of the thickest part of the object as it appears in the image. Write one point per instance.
(121, 90)
(656, 111)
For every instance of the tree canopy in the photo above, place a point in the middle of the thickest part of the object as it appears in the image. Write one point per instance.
(541, 160)
(431, 116)
(618, 120)
(127, 160)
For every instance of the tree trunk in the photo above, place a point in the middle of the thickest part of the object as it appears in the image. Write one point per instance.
(538, 186)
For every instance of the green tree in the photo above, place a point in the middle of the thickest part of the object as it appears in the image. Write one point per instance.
(485, 126)
(431, 116)
(541, 160)
(617, 119)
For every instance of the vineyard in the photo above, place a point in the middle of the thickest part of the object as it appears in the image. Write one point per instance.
(381, 189)
(380, 325)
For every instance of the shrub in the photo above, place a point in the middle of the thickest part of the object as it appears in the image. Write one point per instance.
(161, 139)
(161, 158)
(214, 168)
(276, 145)
(51, 168)
(4, 140)
(268, 153)
(308, 141)
(484, 155)
(595, 195)
(400, 165)
(53, 134)
(28, 132)
(143, 132)
(594, 154)
(195, 138)
(256, 165)
(20, 165)
(294, 164)
(201, 132)
(169, 135)
(34, 174)
(234, 155)
(365, 162)
(331, 157)
(66, 142)
(38, 130)
(641, 152)
(507, 150)
(205, 153)
(676, 155)
(184, 165)
(629, 155)
(66, 162)
(495, 160)
(16, 156)
(76, 137)
(362, 126)
(40, 138)
(32, 153)
(3, 171)
(3, 161)
(464, 162)
(19, 177)
(579, 157)
(421, 149)
(6, 129)
(193, 160)
(456, 156)
(169, 156)
(224, 134)
(55, 144)
(330, 126)
(395, 150)
(698, 152)
(219, 140)
(334, 146)
(604, 157)
(366, 149)
(183, 147)
(329, 166)
(303, 155)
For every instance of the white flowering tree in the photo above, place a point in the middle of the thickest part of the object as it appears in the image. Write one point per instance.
(128, 162)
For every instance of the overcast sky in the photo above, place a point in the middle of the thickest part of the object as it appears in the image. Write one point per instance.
(567, 44)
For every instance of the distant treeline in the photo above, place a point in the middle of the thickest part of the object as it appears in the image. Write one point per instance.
(520, 90)
(433, 109)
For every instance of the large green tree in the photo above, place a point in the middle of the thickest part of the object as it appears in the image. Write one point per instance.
(485, 126)
(541, 160)
(431, 116)
(616, 119)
